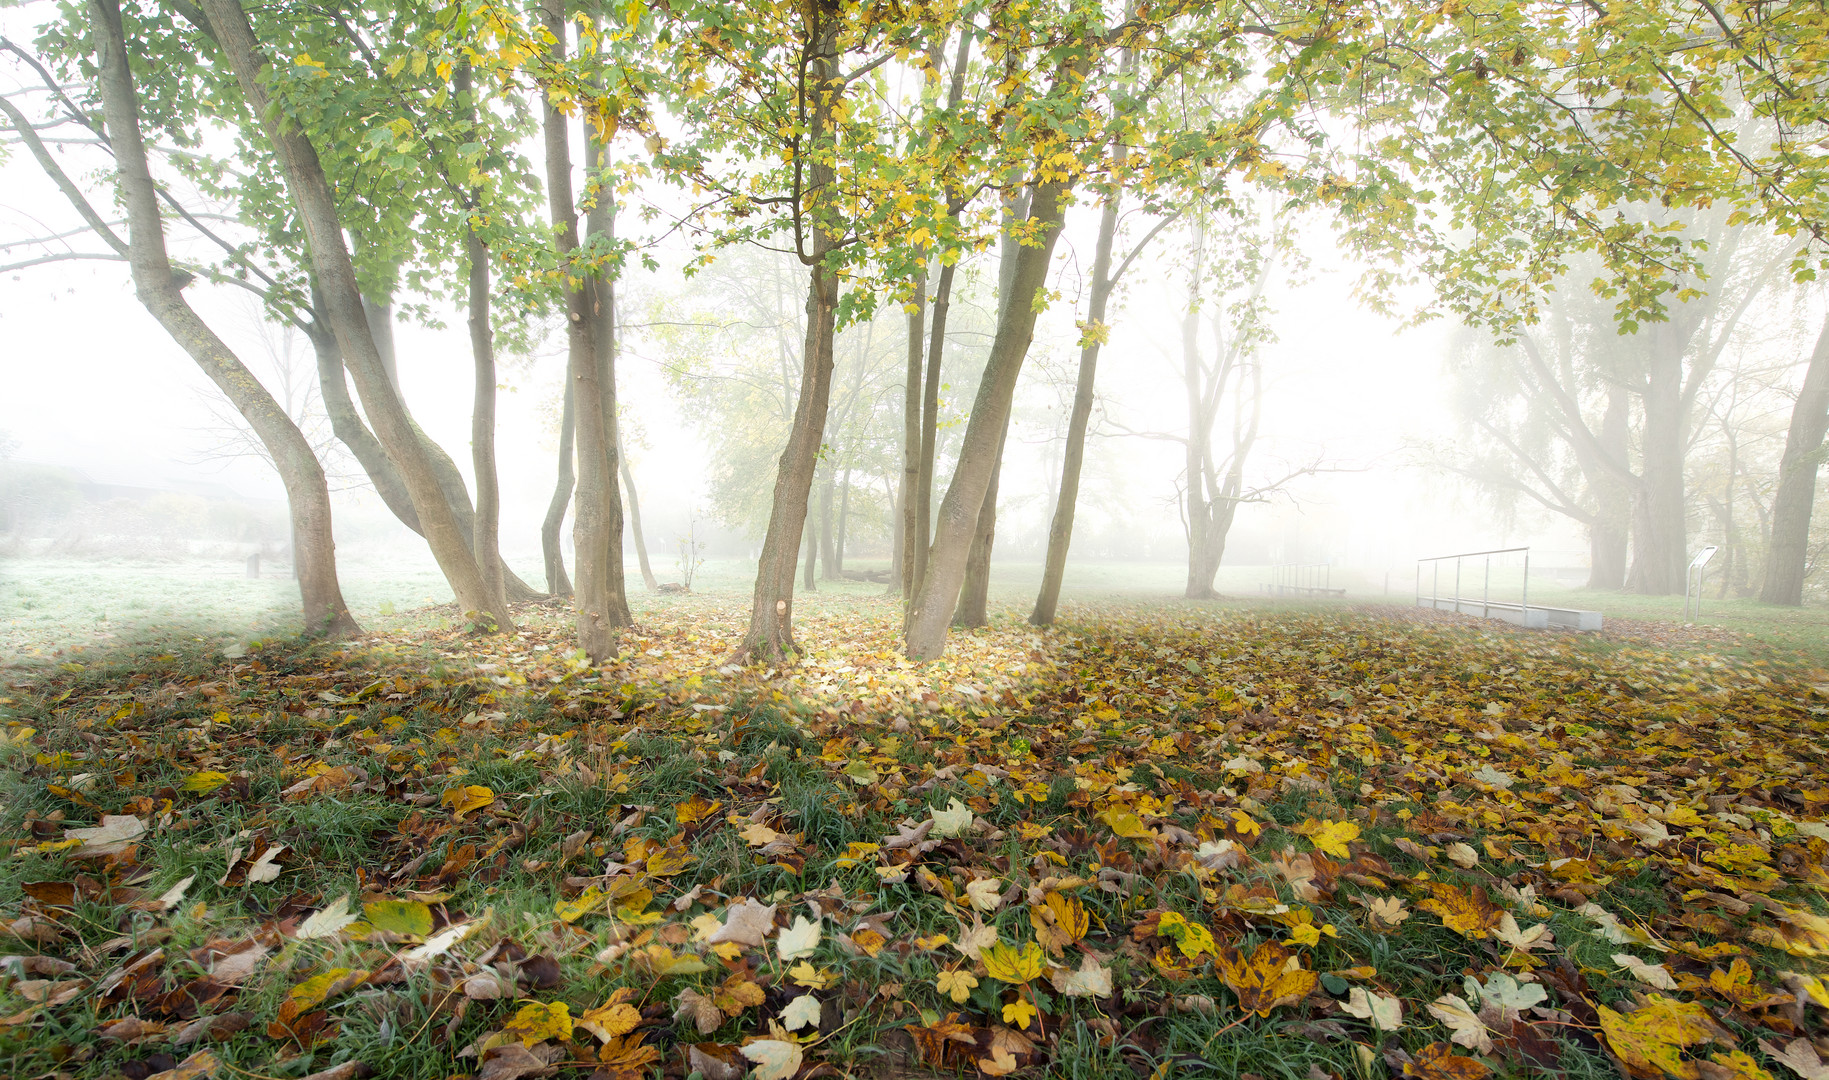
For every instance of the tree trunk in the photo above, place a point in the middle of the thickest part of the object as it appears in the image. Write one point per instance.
(770, 635)
(600, 220)
(908, 528)
(828, 554)
(556, 581)
(900, 494)
(1199, 448)
(346, 423)
(1060, 530)
(974, 593)
(336, 275)
(594, 515)
(1607, 533)
(648, 580)
(810, 561)
(958, 519)
(486, 532)
(1660, 557)
(307, 491)
(844, 515)
(1787, 556)
(930, 426)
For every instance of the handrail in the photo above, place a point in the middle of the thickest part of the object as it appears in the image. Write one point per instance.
(1471, 554)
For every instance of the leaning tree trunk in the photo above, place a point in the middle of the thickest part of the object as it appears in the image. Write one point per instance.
(1787, 557)
(597, 614)
(600, 220)
(770, 635)
(1060, 530)
(958, 519)
(556, 581)
(930, 427)
(307, 492)
(336, 275)
(809, 563)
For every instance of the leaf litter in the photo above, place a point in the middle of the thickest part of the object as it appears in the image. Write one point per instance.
(1261, 840)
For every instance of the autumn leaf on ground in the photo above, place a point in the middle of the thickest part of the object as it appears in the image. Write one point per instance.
(205, 781)
(1270, 977)
(537, 1022)
(694, 809)
(956, 985)
(466, 799)
(1384, 912)
(1329, 837)
(1467, 912)
(984, 893)
(1193, 939)
(1093, 979)
(327, 921)
(798, 940)
(775, 1059)
(801, 1012)
(610, 1021)
(1656, 976)
(1386, 1013)
(113, 836)
(1438, 1061)
(1008, 963)
(1655, 1036)
(746, 923)
(1799, 1056)
(955, 820)
(1126, 824)
(1463, 1022)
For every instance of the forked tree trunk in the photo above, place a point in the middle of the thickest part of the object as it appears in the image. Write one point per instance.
(557, 582)
(770, 636)
(486, 533)
(336, 276)
(1787, 557)
(1060, 530)
(597, 615)
(307, 492)
(600, 220)
(958, 518)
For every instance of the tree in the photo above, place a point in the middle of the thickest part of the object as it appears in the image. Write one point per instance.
(159, 287)
(1787, 558)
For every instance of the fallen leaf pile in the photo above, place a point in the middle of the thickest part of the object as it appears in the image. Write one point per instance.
(1265, 841)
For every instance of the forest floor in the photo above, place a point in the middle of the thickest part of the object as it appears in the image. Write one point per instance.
(1160, 840)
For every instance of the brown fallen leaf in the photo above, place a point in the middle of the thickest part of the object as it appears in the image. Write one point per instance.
(198, 1066)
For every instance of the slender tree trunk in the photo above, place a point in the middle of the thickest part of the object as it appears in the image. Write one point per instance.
(486, 533)
(974, 592)
(1660, 556)
(809, 562)
(930, 425)
(908, 528)
(346, 423)
(771, 627)
(600, 220)
(380, 313)
(958, 519)
(307, 492)
(556, 581)
(1060, 530)
(595, 515)
(648, 580)
(827, 548)
(901, 493)
(336, 276)
(1198, 447)
(1788, 553)
(844, 514)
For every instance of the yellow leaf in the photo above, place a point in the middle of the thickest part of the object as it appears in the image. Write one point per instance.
(1467, 912)
(694, 809)
(1270, 977)
(463, 800)
(611, 1021)
(403, 918)
(316, 990)
(588, 901)
(1006, 963)
(204, 782)
(537, 1022)
(1330, 837)
(1655, 1036)
(1018, 1012)
(1126, 824)
(956, 985)
(1191, 938)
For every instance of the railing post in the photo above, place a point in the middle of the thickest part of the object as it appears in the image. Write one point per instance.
(1486, 591)
(1457, 583)
(1524, 601)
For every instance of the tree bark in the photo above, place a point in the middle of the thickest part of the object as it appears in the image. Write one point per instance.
(600, 220)
(336, 275)
(556, 581)
(1787, 556)
(908, 529)
(844, 516)
(958, 518)
(307, 491)
(1660, 556)
(974, 592)
(810, 561)
(828, 556)
(1607, 533)
(930, 426)
(770, 636)
(486, 532)
(594, 515)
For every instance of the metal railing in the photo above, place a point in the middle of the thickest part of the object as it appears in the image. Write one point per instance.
(1485, 600)
(1302, 579)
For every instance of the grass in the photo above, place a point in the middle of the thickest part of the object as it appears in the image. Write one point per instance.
(1094, 761)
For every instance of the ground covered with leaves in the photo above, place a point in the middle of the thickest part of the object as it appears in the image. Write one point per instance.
(1202, 840)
